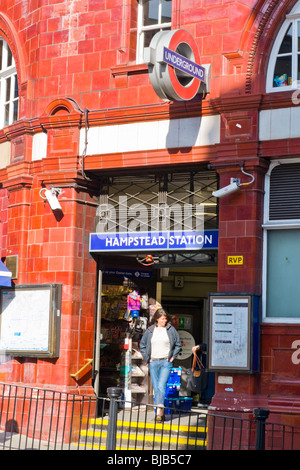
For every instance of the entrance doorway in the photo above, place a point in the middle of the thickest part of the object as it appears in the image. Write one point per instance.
(181, 290)
(173, 214)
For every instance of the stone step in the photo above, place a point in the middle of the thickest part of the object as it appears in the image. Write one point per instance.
(132, 435)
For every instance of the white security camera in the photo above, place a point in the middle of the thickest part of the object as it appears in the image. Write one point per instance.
(231, 188)
(51, 196)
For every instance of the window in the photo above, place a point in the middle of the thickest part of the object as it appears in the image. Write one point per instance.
(153, 16)
(9, 93)
(284, 64)
(281, 273)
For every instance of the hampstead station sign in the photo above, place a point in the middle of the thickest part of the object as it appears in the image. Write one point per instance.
(173, 63)
(151, 227)
(154, 241)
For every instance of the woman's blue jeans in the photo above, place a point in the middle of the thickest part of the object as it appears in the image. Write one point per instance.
(159, 371)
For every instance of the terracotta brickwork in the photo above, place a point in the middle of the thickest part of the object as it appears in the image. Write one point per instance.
(86, 49)
(79, 56)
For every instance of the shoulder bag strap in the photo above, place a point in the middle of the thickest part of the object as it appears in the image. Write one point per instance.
(197, 362)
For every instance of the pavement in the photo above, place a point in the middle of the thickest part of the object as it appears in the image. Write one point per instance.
(140, 419)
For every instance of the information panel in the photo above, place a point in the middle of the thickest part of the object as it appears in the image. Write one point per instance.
(234, 330)
(30, 320)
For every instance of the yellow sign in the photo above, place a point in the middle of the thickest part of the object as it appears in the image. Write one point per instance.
(235, 259)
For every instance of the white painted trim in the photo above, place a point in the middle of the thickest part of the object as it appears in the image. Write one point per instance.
(39, 146)
(152, 135)
(282, 123)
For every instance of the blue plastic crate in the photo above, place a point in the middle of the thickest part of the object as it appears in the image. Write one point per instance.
(183, 403)
(175, 376)
(169, 404)
(172, 391)
(179, 404)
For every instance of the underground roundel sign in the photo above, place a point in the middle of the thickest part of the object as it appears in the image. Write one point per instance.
(173, 62)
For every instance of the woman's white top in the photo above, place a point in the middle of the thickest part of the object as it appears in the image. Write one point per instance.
(160, 344)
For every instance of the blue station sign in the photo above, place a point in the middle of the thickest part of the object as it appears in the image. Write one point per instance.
(107, 242)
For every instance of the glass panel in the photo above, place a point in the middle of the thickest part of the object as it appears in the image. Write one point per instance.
(8, 88)
(9, 57)
(166, 11)
(286, 45)
(6, 115)
(283, 270)
(150, 11)
(298, 69)
(283, 72)
(15, 111)
(298, 35)
(16, 90)
(148, 35)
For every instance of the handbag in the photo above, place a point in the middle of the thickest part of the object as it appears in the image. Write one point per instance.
(196, 376)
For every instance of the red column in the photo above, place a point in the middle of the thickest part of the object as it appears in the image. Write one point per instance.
(55, 249)
(240, 234)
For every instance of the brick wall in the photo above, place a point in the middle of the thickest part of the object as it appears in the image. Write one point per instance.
(69, 48)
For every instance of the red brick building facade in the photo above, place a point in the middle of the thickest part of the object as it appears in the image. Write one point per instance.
(79, 75)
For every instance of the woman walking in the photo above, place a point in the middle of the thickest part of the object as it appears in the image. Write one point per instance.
(159, 346)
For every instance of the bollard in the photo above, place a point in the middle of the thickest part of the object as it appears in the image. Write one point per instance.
(114, 393)
(260, 414)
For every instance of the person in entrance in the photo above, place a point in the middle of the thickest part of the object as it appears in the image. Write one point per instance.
(159, 346)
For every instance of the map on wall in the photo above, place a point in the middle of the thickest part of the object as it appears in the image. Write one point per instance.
(27, 320)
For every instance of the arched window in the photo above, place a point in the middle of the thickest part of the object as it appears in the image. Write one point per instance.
(284, 65)
(9, 92)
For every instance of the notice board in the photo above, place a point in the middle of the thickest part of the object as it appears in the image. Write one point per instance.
(30, 320)
(233, 332)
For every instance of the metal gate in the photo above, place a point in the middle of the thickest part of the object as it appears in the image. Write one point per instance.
(157, 202)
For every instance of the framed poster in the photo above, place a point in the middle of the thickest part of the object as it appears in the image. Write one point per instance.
(233, 332)
(30, 320)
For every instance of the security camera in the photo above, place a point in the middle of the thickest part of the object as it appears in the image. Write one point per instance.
(51, 196)
(231, 188)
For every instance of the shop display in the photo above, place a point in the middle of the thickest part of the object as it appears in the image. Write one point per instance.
(123, 321)
(139, 376)
(133, 304)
